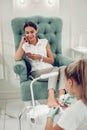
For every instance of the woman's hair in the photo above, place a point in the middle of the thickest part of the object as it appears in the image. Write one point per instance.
(78, 72)
(31, 24)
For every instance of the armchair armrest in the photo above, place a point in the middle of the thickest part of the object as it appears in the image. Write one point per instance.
(20, 68)
(63, 60)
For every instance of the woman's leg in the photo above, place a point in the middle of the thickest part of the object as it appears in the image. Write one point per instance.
(52, 81)
(61, 83)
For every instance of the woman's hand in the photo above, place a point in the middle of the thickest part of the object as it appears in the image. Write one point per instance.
(33, 56)
(24, 39)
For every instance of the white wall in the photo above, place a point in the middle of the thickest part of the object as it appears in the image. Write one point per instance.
(33, 8)
(78, 19)
(8, 85)
(73, 13)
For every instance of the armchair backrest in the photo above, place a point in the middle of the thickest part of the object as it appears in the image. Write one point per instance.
(48, 27)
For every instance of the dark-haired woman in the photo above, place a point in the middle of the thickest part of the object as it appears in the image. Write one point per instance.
(41, 59)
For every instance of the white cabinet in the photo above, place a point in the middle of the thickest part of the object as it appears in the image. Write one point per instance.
(79, 52)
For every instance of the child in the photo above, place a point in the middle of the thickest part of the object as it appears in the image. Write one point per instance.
(40, 56)
(75, 116)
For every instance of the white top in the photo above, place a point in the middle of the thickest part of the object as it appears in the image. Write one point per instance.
(39, 48)
(74, 117)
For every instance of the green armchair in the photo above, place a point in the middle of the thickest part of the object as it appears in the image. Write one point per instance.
(50, 28)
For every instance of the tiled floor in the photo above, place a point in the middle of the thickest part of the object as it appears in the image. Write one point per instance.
(9, 113)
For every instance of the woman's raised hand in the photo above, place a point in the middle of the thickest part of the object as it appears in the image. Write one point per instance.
(24, 39)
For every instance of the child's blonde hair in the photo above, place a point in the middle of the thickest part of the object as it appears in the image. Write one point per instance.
(78, 71)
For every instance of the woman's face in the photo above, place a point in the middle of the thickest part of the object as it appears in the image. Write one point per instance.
(30, 33)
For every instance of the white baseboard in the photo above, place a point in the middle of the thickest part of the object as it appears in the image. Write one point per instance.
(9, 94)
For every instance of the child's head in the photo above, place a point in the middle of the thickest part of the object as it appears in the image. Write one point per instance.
(77, 72)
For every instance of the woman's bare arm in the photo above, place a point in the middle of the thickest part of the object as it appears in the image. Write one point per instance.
(49, 125)
(49, 58)
(19, 53)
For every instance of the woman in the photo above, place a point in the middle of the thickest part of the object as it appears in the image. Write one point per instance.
(75, 116)
(40, 56)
